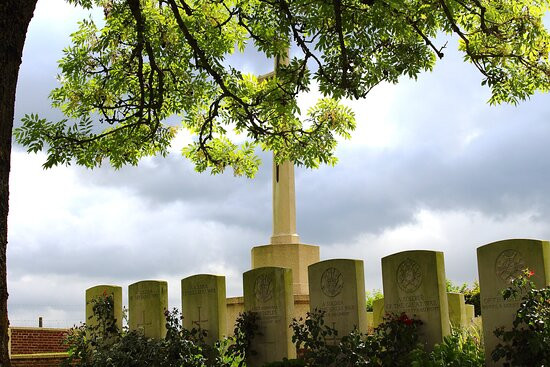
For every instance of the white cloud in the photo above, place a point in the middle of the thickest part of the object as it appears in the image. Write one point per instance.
(457, 233)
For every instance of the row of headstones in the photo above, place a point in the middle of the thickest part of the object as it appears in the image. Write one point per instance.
(414, 282)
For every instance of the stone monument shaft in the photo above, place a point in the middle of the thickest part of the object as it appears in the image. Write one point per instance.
(284, 197)
(285, 249)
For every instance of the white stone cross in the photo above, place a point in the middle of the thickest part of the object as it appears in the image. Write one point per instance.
(284, 197)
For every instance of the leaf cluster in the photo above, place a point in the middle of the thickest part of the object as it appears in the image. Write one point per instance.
(152, 60)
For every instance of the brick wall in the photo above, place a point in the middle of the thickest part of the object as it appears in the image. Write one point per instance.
(26, 340)
(36, 347)
(36, 362)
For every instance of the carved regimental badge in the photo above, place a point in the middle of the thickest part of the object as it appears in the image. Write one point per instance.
(332, 282)
(409, 275)
(509, 265)
(263, 288)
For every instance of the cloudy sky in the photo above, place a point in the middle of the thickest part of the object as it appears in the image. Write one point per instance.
(431, 166)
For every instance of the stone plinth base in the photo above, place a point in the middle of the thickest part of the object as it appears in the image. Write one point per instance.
(235, 306)
(295, 256)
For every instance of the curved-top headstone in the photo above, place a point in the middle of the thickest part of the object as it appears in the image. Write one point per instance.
(147, 303)
(414, 283)
(203, 305)
(268, 293)
(103, 290)
(498, 263)
(337, 287)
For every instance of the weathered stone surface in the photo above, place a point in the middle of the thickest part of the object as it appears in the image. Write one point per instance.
(268, 293)
(101, 291)
(370, 322)
(414, 283)
(470, 313)
(147, 302)
(295, 256)
(457, 310)
(378, 312)
(498, 263)
(203, 305)
(337, 287)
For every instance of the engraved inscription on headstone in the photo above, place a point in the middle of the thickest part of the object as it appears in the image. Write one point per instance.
(268, 293)
(337, 287)
(203, 304)
(414, 283)
(147, 302)
(498, 264)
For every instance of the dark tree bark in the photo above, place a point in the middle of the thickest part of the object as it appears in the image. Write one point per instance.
(15, 16)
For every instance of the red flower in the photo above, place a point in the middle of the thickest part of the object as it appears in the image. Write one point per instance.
(404, 319)
(530, 273)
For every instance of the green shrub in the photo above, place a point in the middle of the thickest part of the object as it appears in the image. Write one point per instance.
(372, 296)
(528, 342)
(472, 296)
(463, 348)
(390, 345)
(103, 345)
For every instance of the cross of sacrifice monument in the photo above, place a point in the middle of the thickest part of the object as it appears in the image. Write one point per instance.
(285, 249)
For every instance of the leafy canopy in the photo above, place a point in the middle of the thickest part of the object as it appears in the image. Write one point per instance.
(154, 59)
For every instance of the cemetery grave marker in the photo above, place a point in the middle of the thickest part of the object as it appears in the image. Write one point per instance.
(268, 293)
(203, 305)
(147, 303)
(337, 287)
(414, 283)
(498, 263)
(102, 291)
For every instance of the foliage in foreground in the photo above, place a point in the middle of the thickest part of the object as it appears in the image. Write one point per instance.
(463, 348)
(390, 345)
(102, 344)
(394, 343)
(527, 344)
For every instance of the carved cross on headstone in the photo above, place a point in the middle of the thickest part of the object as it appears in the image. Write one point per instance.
(284, 197)
(199, 322)
(142, 323)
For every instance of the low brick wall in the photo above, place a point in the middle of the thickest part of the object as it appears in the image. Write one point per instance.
(37, 360)
(37, 347)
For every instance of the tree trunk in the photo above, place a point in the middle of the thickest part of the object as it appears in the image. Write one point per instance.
(15, 16)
